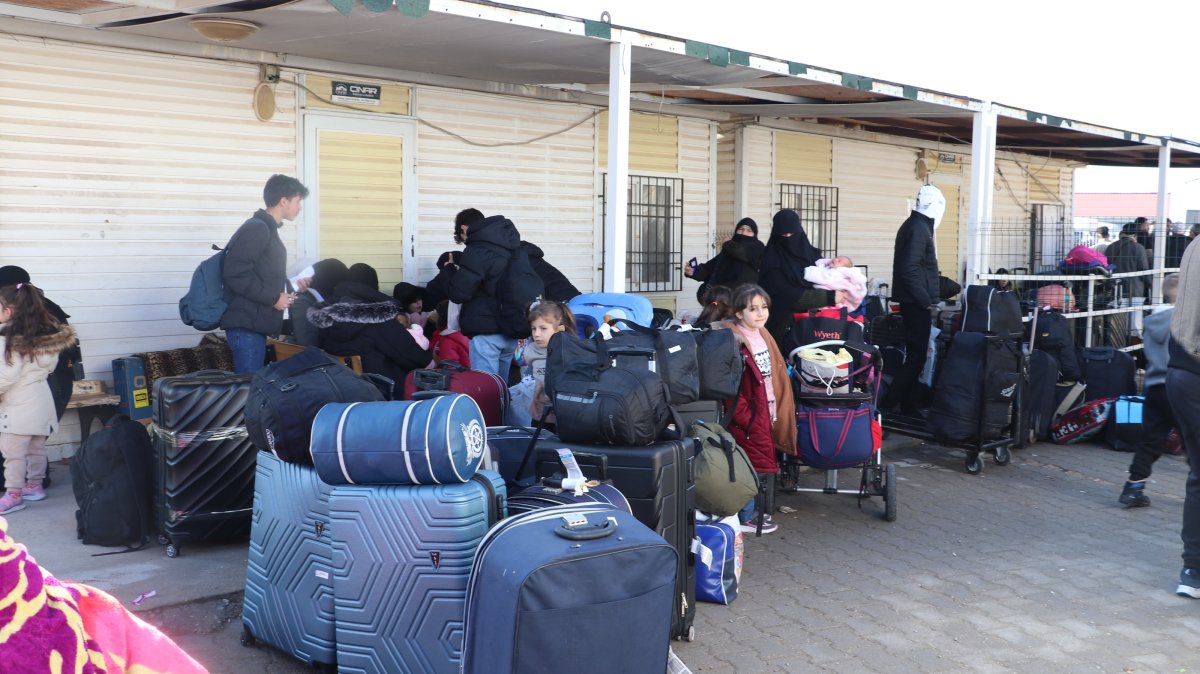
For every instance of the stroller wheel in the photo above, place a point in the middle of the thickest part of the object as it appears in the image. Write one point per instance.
(974, 464)
(1003, 456)
(889, 494)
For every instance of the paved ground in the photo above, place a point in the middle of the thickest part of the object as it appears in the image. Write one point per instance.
(1032, 567)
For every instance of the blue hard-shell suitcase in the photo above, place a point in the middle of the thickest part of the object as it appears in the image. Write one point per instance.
(433, 441)
(572, 588)
(289, 571)
(403, 555)
(592, 309)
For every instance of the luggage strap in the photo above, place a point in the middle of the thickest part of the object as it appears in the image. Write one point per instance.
(1069, 401)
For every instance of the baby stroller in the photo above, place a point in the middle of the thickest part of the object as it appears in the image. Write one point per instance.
(837, 425)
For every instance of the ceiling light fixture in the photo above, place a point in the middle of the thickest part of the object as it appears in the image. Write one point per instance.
(220, 29)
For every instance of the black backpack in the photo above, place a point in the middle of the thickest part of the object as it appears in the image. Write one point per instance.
(112, 479)
(993, 311)
(286, 395)
(516, 289)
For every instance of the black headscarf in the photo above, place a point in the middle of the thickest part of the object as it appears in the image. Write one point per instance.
(746, 222)
(327, 274)
(786, 257)
(361, 272)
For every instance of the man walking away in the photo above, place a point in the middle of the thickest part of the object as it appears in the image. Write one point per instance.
(255, 274)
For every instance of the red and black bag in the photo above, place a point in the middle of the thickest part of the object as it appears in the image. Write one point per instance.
(819, 325)
(488, 390)
(1082, 423)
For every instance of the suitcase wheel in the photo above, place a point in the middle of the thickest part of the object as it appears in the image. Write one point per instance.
(248, 639)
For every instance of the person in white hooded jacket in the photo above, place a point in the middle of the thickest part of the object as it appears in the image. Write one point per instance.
(915, 287)
(30, 341)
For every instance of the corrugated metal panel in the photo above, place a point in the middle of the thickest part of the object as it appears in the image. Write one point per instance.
(1044, 183)
(876, 187)
(118, 170)
(393, 98)
(762, 199)
(547, 188)
(695, 150)
(947, 236)
(653, 142)
(361, 184)
(803, 159)
(726, 184)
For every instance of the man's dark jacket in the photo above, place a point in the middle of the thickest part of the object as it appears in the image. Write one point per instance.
(1129, 255)
(491, 243)
(255, 273)
(914, 263)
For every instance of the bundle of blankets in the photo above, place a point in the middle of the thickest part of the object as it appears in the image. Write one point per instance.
(48, 626)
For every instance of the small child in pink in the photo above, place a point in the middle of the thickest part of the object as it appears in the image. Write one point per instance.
(839, 274)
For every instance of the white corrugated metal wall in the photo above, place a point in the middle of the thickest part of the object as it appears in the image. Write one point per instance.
(546, 187)
(118, 169)
(695, 160)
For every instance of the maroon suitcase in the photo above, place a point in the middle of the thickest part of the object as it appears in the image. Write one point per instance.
(487, 390)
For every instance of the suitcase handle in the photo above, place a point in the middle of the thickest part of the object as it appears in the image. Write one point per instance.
(590, 532)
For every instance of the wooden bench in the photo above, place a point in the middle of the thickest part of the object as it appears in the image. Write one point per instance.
(92, 403)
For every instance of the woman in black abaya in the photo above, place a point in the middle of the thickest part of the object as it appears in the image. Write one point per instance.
(782, 275)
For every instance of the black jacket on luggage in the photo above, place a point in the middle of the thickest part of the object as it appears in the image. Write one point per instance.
(491, 243)
(914, 263)
(255, 273)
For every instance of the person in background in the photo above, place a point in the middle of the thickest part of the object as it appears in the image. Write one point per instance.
(1177, 240)
(1145, 233)
(1102, 240)
(1183, 381)
(1157, 419)
(30, 342)
(448, 343)
(716, 307)
(327, 274)
(788, 254)
(546, 319)
(361, 272)
(915, 287)
(738, 262)
(367, 323)
(255, 274)
(763, 416)
(1127, 255)
(62, 379)
(411, 299)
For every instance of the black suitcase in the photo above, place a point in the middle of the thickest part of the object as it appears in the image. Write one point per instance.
(204, 461)
(659, 482)
(1108, 372)
(976, 387)
(1039, 400)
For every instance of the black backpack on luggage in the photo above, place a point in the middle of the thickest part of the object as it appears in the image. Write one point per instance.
(994, 311)
(112, 480)
(286, 395)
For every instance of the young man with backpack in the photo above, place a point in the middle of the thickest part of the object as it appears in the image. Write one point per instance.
(255, 275)
(494, 282)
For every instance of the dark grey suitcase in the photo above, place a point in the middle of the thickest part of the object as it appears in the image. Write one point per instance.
(402, 556)
(288, 602)
(204, 460)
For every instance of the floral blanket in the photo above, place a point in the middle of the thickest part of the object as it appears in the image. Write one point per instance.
(49, 626)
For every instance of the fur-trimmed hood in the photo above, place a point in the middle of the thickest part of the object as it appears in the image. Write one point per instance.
(48, 344)
(328, 315)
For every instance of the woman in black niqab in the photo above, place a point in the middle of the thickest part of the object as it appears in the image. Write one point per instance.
(788, 253)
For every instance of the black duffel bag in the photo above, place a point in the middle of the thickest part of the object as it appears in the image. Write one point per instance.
(598, 402)
(992, 311)
(720, 364)
(674, 356)
(286, 395)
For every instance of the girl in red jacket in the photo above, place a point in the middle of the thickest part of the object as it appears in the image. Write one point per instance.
(764, 413)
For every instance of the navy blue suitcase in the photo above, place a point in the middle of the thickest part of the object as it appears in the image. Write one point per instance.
(572, 588)
(402, 556)
(289, 571)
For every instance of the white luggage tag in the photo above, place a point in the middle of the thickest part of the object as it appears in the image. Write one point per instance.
(575, 480)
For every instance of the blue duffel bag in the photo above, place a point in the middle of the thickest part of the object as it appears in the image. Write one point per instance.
(437, 440)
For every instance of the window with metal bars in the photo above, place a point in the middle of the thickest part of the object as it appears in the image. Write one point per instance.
(818, 209)
(654, 237)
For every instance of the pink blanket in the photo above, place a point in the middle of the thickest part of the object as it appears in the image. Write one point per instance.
(49, 627)
(847, 279)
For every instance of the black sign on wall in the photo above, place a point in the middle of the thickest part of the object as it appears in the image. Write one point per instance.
(354, 92)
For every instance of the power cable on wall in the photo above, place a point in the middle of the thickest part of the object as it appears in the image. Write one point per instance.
(448, 132)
